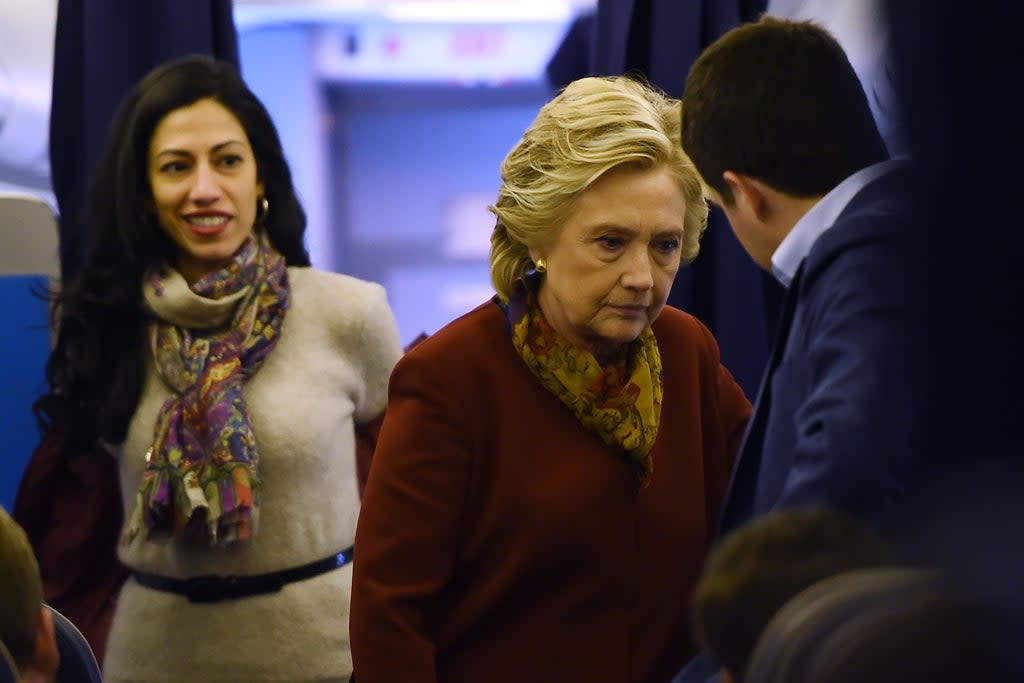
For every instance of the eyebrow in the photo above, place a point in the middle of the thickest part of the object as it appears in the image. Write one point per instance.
(182, 153)
(614, 227)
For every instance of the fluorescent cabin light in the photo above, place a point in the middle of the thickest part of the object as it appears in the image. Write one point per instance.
(477, 11)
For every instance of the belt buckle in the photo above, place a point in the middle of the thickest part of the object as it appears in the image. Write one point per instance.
(207, 589)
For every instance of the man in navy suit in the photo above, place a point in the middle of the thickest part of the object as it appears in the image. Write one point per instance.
(777, 123)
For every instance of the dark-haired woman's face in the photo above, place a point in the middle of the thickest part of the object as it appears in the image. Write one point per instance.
(202, 172)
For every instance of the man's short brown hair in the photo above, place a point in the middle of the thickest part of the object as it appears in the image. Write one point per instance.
(778, 101)
(759, 566)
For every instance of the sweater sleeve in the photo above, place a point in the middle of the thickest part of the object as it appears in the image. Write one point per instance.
(380, 347)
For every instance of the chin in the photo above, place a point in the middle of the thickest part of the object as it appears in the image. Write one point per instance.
(624, 335)
(216, 253)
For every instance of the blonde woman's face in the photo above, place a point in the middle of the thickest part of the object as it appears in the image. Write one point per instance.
(611, 265)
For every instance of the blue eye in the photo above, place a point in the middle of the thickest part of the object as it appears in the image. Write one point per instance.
(610, 242)
(668, 246)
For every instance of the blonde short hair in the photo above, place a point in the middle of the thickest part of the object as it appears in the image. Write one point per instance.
(593, 126)
(21, 590)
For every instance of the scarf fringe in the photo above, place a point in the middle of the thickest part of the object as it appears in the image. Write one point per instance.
(222, 509)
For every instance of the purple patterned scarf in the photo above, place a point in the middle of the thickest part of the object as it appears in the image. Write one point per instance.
(202, 472)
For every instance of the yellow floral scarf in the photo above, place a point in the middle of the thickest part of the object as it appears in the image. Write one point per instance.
(620, 403)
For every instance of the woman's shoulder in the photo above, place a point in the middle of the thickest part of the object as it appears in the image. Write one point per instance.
(335, 296)
(463, 358)
(349, 307)
(313, 282)
(479, 331)
(677, 331)
(675, 321)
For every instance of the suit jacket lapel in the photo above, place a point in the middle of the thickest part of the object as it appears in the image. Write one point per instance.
(739, 501)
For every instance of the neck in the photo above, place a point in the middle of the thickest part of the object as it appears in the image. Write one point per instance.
(606, 352)
(610, 355)
(796, 208)
(785, 214)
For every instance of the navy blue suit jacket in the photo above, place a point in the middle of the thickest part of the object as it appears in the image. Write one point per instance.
(839, 419)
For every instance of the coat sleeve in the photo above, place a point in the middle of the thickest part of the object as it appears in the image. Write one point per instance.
(735, 409)
(368, 433)
(70, 508)
(407, 535)
(731, 410)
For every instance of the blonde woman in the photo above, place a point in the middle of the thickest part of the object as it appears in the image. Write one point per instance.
(552, 464)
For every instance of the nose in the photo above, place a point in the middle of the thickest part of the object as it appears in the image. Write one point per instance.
(205, 188)
(638, 273)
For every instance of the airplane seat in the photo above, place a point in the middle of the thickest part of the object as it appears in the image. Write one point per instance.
(29, 265)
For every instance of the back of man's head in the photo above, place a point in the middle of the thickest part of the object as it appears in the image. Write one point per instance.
(757, 568)
(778, 101)
(25, 626)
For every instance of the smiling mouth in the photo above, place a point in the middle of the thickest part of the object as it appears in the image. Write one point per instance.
(207, 225)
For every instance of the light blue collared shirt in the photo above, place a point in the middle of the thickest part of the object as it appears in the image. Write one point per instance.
(797, 244)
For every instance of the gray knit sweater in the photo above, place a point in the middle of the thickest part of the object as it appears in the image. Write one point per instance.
(329, 371)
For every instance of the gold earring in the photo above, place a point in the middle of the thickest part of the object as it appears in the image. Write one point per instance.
(263, 209)
(541, 266)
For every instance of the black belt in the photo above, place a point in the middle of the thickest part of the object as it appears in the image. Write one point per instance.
(218, 588)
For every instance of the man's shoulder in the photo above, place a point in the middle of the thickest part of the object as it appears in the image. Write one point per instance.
(872, 243)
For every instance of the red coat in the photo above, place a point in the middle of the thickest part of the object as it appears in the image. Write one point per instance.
(500, 541)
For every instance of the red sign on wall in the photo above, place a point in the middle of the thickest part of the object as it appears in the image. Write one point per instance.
(477, 42)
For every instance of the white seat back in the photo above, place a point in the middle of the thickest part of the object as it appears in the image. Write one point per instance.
(29, 239)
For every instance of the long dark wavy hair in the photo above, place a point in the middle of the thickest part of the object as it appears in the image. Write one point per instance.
(95, 371)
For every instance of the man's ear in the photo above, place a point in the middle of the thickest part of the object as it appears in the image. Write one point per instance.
(750, 192)
(45, 658)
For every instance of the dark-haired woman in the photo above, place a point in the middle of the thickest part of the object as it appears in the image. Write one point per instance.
(225, 376)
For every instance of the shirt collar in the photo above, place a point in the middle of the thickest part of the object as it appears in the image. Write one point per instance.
(797, 244)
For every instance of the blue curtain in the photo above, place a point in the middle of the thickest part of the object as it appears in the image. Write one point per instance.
(957, 67)
(101, 48)
(661, 39)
